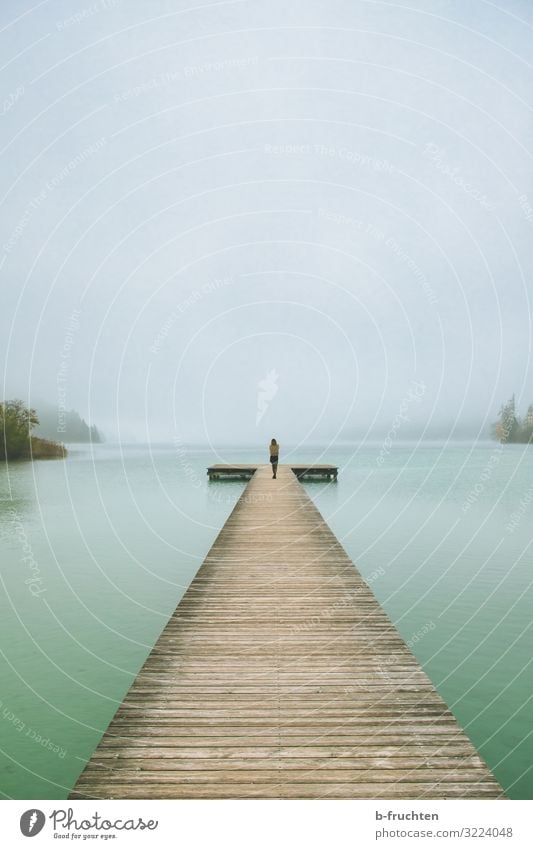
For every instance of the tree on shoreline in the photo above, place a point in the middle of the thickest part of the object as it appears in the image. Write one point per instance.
(510, 427)
(16, 424)
(16, 441)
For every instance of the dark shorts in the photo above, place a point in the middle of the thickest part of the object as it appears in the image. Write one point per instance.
(274, 460)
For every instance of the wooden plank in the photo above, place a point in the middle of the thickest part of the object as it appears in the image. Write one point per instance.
(101, 787)
(280, 676)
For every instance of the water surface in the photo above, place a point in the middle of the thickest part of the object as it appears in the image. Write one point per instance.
(97, 550)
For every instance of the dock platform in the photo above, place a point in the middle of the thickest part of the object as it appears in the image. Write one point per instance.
(279, 676)
(313, 471)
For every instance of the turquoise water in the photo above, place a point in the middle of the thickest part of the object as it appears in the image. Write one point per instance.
(97, 550)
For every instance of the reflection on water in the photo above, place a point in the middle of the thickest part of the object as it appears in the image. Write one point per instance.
(97, 550)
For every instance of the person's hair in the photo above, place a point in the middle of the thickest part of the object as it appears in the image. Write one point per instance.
(273, 441)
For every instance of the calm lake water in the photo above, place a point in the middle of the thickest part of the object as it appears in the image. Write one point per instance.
(97, 550)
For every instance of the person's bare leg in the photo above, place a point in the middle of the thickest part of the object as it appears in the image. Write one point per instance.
(274, 470)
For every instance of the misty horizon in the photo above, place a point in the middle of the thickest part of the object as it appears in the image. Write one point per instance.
(215, 236)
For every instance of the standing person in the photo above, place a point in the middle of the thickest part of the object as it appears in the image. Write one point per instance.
(274, 456)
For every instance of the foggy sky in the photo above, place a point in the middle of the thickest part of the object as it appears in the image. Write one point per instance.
(238, 220)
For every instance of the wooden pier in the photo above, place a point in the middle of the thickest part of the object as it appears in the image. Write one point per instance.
(280, 676)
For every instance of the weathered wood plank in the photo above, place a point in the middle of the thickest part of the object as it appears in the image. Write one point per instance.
(137, 789)
(280, 676)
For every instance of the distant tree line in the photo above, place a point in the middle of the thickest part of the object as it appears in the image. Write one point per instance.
(66, 425)
(510, 427)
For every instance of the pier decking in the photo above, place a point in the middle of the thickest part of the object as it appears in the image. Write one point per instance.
(280, 676)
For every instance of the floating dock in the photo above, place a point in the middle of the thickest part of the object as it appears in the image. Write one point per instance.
(279, 676)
